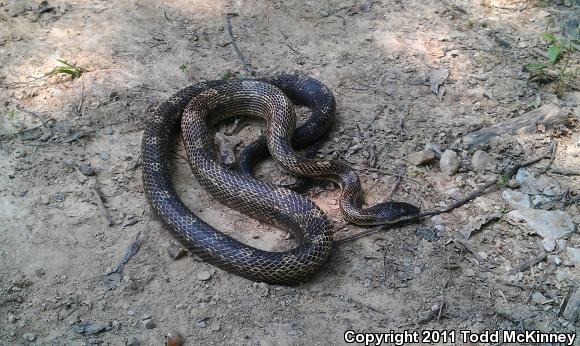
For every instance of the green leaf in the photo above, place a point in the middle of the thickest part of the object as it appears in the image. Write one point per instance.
(554, 53)
(549, 36)
(535, 67)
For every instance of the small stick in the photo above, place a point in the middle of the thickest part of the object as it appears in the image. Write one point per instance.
(99, 198)
(393, 188)
(80, 106)
(527, 264)
(33, 128)
(247, 66)
(129, 252)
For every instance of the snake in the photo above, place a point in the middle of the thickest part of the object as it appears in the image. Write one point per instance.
(193, 111)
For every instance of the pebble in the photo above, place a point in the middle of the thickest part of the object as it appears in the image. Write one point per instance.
(546, 223)
(557, 260)
(434, 148)
(130, 312)
(69, 163)
(132, 341)
(29, 336)
(108, 131)
(516, 199)
(148, 324)
(216, 327)
(454, 193)
(469, 272)
(549, 244)
(262, 288)
(449, 163)
(87, 169)
(11, 318)
(574, 254)
(421, 157)
(116, 325)
(176, 251)
(572, 310)
(481, 161)
(204, 275)
(181, 306)
(104, 156)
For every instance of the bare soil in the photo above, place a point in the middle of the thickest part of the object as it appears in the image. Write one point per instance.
(56, 246)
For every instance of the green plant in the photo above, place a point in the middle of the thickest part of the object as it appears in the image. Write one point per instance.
(558, 54)
(183, 67)
(72, 70)
(12, 116)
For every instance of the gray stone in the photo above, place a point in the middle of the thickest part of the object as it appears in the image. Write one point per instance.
(574, 254)
(516, 199)
(29, 336)
(204, 275)
(434, 148)
(11, 318)
(572, 310)
(549, 244)
(481, 161)
(148, 324)
(554, 224)
(87, 169)
(132, 341)
(421, 157)
(176, 251)
(455, 193)
(449, 163)
(116, 325)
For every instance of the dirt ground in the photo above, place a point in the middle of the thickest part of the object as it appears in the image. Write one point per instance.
(56, 247)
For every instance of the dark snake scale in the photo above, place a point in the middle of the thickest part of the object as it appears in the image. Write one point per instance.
(198, 107)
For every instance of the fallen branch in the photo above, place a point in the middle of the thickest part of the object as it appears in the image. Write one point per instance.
(247, 66)
(99, 200)
(527, 264)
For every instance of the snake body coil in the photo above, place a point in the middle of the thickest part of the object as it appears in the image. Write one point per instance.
(210, 102)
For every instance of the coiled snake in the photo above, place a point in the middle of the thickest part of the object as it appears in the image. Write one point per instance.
(207, 103)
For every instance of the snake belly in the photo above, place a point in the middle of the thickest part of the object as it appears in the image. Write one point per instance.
(308, 222)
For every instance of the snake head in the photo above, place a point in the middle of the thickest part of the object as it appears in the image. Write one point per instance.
(392, 212)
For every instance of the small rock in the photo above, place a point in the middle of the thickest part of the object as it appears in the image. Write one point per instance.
(561, 244)
(116, 325)
(104, 156)
(574, 254)
(132, 341)
(130, 312)
(421, 157)
(516, 199)
(204, 275)
(181, 306)
(176, 251)
(572, 310)
(549, 244)
(469, 272)
(262, 288)
(69, 163)
(455, 193)
(513, 183)
(554, 224)
(216, 327)
(449, 163)
(557, 260)
(11, 318)
(108, 130)
(427, 233)
(87, 169)
(145, 317)
(148, 324)
(538, 298)
(434, 148)
(29, 336)
(481, 161)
